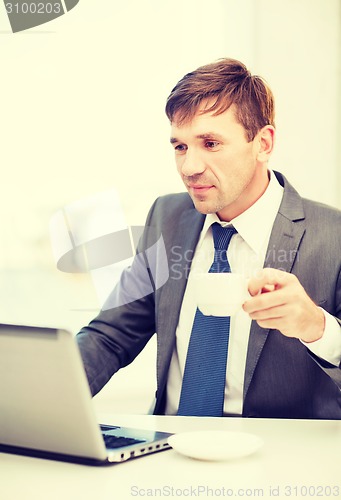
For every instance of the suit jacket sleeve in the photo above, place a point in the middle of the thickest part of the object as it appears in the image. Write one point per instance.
(333, 304)
(321, 256)
(127, 320)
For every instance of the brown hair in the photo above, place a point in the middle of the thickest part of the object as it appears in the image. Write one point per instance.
(226, 82)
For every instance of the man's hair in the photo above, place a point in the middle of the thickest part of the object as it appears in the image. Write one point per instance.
(224, 83)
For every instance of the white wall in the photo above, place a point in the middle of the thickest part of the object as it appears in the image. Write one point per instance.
(82, 111)
(298, 49)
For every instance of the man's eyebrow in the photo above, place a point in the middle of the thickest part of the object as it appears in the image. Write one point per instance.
(207, 135)
(210, 135)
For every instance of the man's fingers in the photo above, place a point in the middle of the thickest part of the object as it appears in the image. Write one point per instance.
(277, 312)
(265, 301)
(268, 280)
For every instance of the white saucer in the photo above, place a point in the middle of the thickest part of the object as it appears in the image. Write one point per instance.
(215, 445)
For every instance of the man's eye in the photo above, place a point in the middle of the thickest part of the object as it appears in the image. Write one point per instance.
(180, 148)
(211, 144)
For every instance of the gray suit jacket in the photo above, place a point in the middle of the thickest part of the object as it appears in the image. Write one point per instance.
(282, 378)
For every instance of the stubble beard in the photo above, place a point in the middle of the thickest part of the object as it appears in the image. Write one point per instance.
(209, 207)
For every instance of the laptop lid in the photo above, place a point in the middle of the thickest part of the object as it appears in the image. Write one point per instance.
(45, 401)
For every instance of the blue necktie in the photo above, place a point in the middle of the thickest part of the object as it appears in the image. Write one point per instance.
(203, 384)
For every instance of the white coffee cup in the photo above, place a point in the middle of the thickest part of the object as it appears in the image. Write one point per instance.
(220, 294)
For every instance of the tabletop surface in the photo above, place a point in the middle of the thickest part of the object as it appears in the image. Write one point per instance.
(299, 459)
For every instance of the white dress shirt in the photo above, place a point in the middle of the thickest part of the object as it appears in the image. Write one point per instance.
(246, 255)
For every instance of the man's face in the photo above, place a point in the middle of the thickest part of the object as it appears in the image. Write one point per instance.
(219, 167)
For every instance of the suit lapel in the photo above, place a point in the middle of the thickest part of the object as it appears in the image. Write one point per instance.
(285, 239)
(180, 254)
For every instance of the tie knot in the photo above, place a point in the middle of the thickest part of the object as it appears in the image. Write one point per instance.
(222, 236)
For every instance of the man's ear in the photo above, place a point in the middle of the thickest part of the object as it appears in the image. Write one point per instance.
(266, 141)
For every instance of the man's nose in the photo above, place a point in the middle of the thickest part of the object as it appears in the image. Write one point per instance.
(192, 164)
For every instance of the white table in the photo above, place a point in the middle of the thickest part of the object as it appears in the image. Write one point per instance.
(299, 459)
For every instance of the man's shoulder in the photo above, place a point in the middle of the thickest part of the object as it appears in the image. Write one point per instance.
(322, 222)
(170, 210)
(181, 200)
(297, 206)
(321, 212)
(172, 205)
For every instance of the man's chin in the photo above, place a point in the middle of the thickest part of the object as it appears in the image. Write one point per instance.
(204, 207)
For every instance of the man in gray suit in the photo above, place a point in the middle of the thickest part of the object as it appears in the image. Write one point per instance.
(284, 346)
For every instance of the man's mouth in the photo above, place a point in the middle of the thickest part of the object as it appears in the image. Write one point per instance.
(199, 188)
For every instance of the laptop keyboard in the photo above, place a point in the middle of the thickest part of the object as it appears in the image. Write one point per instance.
(119, 441)
(116, 441)
(105, 427)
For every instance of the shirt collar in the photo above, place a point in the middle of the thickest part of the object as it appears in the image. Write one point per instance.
(255, 224)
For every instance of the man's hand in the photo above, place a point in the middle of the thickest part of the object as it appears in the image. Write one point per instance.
(280, 302)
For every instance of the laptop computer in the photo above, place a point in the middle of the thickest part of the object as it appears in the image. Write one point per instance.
(45, 403)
